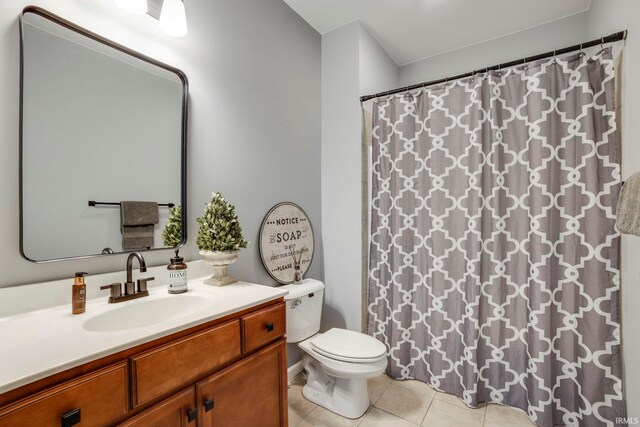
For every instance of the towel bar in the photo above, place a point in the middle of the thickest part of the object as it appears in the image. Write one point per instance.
(94, 203)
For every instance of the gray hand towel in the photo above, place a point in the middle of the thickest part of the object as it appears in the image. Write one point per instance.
(137, 237)
(628, 211)
(138, 213)
(137, 221)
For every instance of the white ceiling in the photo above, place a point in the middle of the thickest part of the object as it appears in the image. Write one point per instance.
(410, 30)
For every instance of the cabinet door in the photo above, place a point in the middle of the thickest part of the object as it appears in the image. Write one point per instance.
(177, 411)
(250, 393)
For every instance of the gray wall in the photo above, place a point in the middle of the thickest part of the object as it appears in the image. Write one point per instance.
(341, 190)
(555, 34)
(353, 63)
(378, 72)
(254, 125)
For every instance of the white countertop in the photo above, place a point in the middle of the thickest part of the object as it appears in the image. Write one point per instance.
(41, 343)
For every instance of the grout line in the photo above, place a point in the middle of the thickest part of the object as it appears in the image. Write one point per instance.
(383, 392)
(364, 415)
(307, 416)
(428, 407)
(397, 416)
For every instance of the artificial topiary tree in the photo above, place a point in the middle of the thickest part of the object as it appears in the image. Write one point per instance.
(219, 228)
(172, 233)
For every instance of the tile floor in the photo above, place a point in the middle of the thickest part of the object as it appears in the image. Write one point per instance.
(404, 404)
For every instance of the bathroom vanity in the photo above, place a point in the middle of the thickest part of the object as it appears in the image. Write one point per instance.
(210, 357)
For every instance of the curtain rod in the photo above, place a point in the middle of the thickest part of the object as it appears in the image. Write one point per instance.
(621, 35)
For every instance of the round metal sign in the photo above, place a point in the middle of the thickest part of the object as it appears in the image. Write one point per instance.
(286, 239)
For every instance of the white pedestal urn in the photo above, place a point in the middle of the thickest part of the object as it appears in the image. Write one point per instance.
(219, 260)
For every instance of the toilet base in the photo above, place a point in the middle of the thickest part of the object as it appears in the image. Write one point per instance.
(348, 397)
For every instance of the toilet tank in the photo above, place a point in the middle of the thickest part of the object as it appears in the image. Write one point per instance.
(304, 309)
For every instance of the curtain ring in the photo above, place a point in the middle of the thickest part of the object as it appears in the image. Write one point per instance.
(602, 43)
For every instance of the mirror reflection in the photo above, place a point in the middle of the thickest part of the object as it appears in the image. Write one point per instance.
(102, 145)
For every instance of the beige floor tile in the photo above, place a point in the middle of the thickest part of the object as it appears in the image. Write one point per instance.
(321, 417)
(442, 414)
(379, 418)
(456, 401)
(415, 386)
(294, 418)
(407, 399)
(299, 407)
(506, 416)
(377, 386)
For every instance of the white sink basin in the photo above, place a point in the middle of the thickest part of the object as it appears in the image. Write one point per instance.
(141, 313)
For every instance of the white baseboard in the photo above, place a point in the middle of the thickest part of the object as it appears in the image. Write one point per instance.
(294, 370)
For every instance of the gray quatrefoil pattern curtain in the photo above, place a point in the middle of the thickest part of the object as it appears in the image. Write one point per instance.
(494, 268)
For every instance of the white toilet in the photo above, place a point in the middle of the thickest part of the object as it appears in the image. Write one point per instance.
(338, 362)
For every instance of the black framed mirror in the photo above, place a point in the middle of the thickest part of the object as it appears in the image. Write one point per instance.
(103, 139)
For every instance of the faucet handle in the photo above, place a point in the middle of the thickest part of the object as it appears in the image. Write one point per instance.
(115, 290)
(142, 283)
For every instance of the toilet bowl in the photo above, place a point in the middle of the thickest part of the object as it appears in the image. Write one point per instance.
(337, 380)
(338, 362)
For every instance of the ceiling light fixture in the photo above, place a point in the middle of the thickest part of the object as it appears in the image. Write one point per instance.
(136, 7)
(173, 19)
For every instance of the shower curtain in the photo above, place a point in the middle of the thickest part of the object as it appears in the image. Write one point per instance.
(494, 262)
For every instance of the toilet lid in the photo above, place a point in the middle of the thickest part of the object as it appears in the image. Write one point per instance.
(342, 344)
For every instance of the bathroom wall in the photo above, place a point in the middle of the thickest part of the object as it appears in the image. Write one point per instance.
(606, 17)
(378, 71)
(353, 63)
(560, 33)
(254, 119)
(341, 177)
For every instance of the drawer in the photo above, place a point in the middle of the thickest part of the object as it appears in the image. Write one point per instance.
(263, 327)
(174, 365)
(84, 395)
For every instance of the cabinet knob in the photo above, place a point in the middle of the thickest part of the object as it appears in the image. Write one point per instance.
(269, 327)
(192, 414)
(71, 418)
(208, 405)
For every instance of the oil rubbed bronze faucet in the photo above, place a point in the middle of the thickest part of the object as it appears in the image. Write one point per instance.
(130, 289)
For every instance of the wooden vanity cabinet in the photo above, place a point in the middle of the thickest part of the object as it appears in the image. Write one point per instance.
(248, 393)
(227, 372)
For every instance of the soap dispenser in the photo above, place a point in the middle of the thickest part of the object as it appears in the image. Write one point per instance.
(177, 275)
(79, 294)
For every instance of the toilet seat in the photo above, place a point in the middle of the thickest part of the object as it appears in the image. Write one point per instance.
(349, 346)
